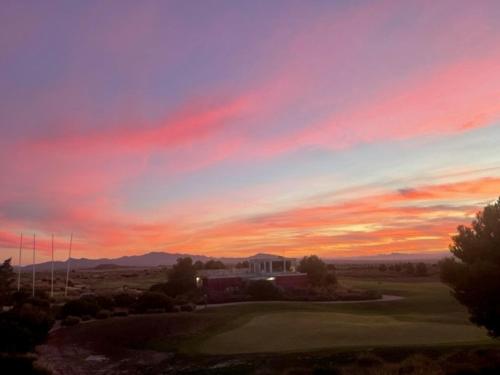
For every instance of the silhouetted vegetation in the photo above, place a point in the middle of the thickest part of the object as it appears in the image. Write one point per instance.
(124, 300)
(149, 301)
(211, 264)
(474, 272)
(263, 290)
(181, 278)
(317, 271)
(6, 280)
(421, 269)
(409, 268)
(214, 265)
(243, 264)
(25, 325)
(85, 305)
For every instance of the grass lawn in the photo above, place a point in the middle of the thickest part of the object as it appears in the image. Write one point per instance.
(427, 332)
(428, 316)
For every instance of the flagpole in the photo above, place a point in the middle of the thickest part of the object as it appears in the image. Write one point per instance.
(67, 269)
(19, 265)
(34, 249)
(52, 270)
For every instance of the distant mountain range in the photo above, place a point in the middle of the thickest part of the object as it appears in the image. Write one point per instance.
(393, 257)
(154, 259)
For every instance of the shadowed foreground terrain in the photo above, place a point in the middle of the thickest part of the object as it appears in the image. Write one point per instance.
(426, 332)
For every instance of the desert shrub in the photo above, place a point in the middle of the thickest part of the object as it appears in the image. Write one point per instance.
(15, 337)
(86, 318)
(70, 320)
(188, 307)
(124, 300)
(164, 288)
(87, 305)
(21, 364)
(19, 297)
(263, 290)
(81, 306)
(105, 302)
(153, 300)
(103, 314)
(120, 313)
(23, 327)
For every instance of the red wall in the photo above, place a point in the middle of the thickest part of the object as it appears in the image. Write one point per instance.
(283, 281)
(289, 281)
(220, 284)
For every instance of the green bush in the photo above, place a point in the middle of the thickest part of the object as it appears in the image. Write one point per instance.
(263, 290)
(188, 307)
(24, 327)
(421, 269)
(120, 313)
(70, 320)
(103, 314)
(79, 307)
(21, 364)
(124, 300)
(153, 300)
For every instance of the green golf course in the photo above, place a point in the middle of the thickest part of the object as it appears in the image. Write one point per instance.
(427, 316)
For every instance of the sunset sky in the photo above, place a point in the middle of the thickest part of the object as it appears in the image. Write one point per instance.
(227, 128)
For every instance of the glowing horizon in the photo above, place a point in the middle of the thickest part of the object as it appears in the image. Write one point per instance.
(231, 128)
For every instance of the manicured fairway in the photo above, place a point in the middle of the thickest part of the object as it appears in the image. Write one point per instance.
(428, 315)
(296, 331)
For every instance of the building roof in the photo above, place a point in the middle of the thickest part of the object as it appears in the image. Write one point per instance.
(263, 256)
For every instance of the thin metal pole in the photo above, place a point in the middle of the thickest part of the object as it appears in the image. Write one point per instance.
(34, 250)
(67, 269)
(19, 265)
(52, 270)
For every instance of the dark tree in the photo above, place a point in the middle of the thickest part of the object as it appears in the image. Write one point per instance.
(382, 268)
(198, 265)
(243, 264)
(421, 269)
(214, 265)
(410, 268)
(331, 267)
(474, 272)
(151, 300)
(316, 270)
(6, 280)
(182, 276)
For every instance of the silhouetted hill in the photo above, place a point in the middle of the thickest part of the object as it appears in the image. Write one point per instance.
(158, 258)
(393, 258)
(151, 259)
